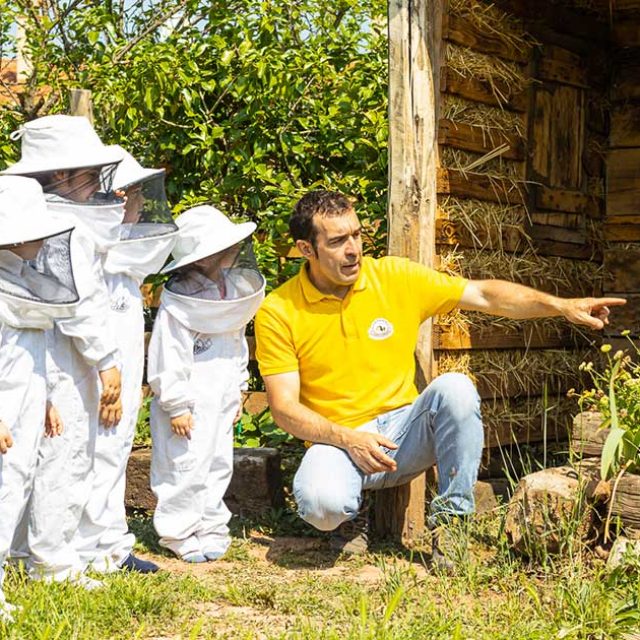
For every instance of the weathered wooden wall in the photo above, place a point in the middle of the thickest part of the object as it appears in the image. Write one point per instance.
(622, 222)
(523, 135)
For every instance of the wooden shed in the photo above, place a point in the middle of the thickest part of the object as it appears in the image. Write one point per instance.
(515, 154)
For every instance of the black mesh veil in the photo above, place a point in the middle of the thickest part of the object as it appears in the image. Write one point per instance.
(48, 278)
(97, 181)
(230, 274)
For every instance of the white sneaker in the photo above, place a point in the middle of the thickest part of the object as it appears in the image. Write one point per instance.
(7, 610)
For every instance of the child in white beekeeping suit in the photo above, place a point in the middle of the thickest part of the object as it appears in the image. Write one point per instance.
(147, 236)
(75, 169)
(197, 367)
(36, 286)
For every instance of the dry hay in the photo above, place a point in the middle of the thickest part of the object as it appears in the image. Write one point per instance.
(468, 162)
(524, 417)
(463, 321)
(502, 373)
(505, 78)
(494, 22)
(549, 273)
(482, 115)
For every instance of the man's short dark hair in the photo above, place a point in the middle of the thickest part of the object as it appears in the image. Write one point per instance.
(321, 203)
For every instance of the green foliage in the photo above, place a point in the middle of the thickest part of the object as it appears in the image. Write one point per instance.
(616, 394)
(248, 105)
(142, 435)
(259, 430)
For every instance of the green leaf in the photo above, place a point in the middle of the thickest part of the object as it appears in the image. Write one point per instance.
(610, 451)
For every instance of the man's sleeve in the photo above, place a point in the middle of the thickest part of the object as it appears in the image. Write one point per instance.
(274, 344)
(436, 292)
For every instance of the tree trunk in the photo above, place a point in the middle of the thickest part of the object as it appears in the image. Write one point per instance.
(415, 28)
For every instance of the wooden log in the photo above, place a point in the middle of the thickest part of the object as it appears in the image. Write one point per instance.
(467, 33)
(558, 234)
(622, 268)
(626, 502)
(625, 124)
(587, 435)
(480, 186)
(563, 67)
(530, 336)
(80, 103)
(552, 508)
(256, 485)
(563, 220)
(623, 182)
(500, 95)
(415, 44)
(622, 232)
(254, 401)
(585, 251)
(478, 139)
(568, 200)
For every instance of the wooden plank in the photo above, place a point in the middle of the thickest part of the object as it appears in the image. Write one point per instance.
(504, 238)
(558, 234)
(480, 186)
(496, 337)
(562, 66)
(468, 33)
(625, 125)
(623, 182)
(495, 387)
(626, 33)
(564, 220)
(568, 250)
(415, 44)
(567, 200)
(622, 269)
(480, 91)
(478, 139)
(524, 431)
(626, 79)
(626, 317)
(622, 232)
(557, 136)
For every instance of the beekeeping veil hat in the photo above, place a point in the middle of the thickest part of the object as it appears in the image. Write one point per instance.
(60, 142)
(33, 292)
(222, 292)
(148, 231)
(69, 143)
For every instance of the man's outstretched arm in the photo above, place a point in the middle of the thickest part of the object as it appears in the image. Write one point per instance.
(511, 300)
(283, 393)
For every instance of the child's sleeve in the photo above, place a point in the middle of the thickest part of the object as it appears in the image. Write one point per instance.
(244, 364)
(16, 370)
(169, 364)
(89, 328)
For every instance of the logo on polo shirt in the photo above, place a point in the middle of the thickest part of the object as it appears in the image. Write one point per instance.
(380, 329)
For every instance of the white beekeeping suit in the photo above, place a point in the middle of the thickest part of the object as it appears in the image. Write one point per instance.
(37, 285)
(197, 366)
(147, 236)
(65, 155)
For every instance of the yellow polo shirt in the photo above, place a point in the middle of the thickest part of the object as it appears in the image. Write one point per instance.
(355, 356)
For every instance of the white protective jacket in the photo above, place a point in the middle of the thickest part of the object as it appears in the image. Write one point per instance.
(103, 539)
(198, 363)
(77, 348)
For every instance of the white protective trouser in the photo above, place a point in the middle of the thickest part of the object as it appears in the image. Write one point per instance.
(103, 539)
(77, 349)
(23, 396)
(202, 373)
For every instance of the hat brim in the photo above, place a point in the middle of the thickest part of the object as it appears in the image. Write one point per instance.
(213, 245)
(102, 158)
(45, 228)
(143, 175)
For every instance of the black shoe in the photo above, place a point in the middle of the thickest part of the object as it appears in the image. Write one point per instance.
(131, 563)
(352, 536)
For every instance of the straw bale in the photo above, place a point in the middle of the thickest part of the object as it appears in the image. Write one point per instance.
(482, 115)
(515, 373)
(560, 276)
(493, 21)
(469, 162)
(475, 214)
(479, 66)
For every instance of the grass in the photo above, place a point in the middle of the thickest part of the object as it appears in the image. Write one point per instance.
(292, 588)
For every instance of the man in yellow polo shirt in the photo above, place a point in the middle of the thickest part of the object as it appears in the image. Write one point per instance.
(335, 345)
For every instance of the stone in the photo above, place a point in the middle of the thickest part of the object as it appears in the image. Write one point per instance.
(491, 493)
(255, 488)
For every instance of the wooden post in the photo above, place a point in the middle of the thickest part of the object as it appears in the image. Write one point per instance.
(80, 103)
(415, 28)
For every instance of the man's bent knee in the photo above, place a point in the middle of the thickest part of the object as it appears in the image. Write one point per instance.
(456, 391)
(325, 508)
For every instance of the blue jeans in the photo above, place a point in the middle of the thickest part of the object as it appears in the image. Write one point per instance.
(443, 426)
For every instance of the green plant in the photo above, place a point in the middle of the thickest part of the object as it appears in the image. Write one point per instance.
(259, 430)
(616, 394)
(143, 430)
